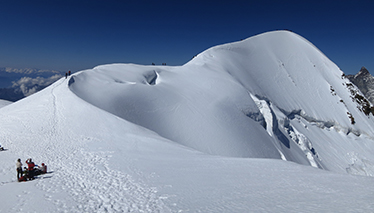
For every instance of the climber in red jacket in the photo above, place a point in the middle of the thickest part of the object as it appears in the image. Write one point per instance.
(31, 165)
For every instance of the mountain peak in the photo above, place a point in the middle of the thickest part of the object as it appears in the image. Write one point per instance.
(363, 72)
(365, 82)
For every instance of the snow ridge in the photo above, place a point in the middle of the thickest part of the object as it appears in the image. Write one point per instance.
(84, 175)
(208, 104)
(243, 127)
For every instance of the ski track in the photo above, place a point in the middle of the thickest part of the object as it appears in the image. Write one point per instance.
(92, 185)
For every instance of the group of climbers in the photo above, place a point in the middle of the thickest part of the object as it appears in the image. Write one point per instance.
(31, 171)
(67, 74)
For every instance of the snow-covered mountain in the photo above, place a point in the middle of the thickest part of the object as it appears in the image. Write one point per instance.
(365, 82)
(270, 96)
(264, 124)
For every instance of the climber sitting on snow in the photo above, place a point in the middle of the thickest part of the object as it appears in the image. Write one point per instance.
(41, 169)
(24, 175)
(1, 148)
(32, 170)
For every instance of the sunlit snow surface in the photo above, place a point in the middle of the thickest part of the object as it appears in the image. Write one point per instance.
(214, 135)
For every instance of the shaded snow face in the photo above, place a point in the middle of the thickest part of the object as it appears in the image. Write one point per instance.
(4, 103)
(271, 96)
(196, 108)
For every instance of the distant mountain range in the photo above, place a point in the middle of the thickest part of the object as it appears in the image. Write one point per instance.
(16, 84)
(365, 82)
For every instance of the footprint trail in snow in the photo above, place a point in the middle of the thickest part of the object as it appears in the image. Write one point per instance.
(84, 175)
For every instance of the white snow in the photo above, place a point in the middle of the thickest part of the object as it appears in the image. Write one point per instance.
(4, 103)
(240, 128)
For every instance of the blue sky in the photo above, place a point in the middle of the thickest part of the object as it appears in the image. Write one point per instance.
(75, 35)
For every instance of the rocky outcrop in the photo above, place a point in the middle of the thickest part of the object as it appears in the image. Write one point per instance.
(365, 82)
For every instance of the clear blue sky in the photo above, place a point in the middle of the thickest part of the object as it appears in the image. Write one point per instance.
(74, 35)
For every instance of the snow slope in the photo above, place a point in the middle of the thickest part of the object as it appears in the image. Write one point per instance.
(4, 103)
(214, 135)
(214, 102)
